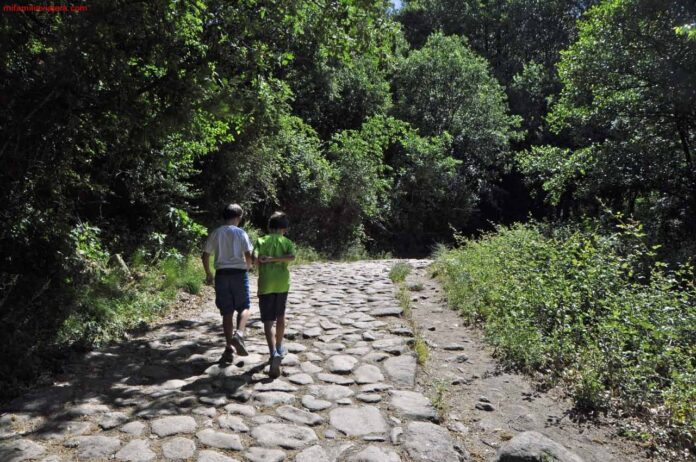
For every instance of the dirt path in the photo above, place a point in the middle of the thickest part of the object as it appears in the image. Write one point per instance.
(350, 389)
(485, 407)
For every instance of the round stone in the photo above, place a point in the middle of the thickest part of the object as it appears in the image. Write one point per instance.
(213, 456)
(314, 404)
(20, 450)
(234, 423)
(133, 428)
(368, 373)
(264, 455)
(136, 451)
(112, 419)
(425, 441)
(242, 409)
(341, 364)
(301, 379)
(219, 440)
(299, 416)
(412, 405)
(358, 421)
(330, 392)
(273, 398)
(284, 436)
(335, 378)
(375, 454)
(172, 425)
(178, 448)
(402, 370)
(94, 447)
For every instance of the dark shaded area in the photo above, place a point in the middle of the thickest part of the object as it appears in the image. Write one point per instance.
(125, 377)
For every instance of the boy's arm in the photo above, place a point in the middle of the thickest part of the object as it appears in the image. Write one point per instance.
(288, 257)
(249, 260)
(206, 266)
(281, 259)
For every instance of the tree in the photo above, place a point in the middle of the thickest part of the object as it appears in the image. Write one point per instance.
(446, 88)
(628, 106)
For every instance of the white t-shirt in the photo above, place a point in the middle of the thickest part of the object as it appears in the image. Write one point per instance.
(228, 243)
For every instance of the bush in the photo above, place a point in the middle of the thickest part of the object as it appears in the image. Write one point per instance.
(114, 304)
(594, 311)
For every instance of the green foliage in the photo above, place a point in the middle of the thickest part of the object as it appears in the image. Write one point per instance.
(399, 272)
(596, 311)
(446, 92)
(626, 109)
(112, 305)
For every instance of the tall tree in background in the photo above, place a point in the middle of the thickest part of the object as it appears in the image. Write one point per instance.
(521, 39)
(445, 88)
(628, 106)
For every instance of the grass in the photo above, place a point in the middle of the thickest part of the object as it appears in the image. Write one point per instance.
(399, 272)
(592, 311)
(418, 287)
(404, 298)
(307, 254)
(114, 304)
(439, 397)
(420, 347)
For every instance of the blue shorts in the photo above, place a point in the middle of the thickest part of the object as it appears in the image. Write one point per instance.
(231, 290)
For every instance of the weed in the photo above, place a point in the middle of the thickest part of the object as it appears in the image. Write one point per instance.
(421, 350)
(404, 298)
(440, 389)
(418, 287)
(399, 272)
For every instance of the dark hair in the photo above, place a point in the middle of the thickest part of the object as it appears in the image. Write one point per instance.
(278, 221)
(232, 211)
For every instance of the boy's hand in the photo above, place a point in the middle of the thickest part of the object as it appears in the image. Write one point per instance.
(264, 259)
(209, 279)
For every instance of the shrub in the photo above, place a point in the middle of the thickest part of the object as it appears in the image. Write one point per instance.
(595, 311)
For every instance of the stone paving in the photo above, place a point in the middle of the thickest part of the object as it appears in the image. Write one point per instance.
(346, 392)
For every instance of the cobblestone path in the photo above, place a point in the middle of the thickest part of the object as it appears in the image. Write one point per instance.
(346, 392)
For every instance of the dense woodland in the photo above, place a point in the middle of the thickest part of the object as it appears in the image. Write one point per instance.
(125, 128)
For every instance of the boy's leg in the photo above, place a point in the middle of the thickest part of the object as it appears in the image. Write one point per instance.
(225, 303)
(280, 303)
(242, 319)
(227, 326)
(242, 304)
(270, 334)
(279, 332)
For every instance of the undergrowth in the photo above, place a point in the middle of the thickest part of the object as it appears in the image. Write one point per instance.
(115, 302)
(593, 311)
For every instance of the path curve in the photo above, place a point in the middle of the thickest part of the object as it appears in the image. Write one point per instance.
(346, 393)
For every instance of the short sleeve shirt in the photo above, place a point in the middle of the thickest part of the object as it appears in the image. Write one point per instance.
(228, 243)
(274, 278)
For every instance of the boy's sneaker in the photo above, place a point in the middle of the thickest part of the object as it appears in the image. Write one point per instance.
(274, 370)
(282, 351)
(227, 356)
(238, 343)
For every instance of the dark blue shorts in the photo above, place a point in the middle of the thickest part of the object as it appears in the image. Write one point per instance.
(272, 306)
(231, 290)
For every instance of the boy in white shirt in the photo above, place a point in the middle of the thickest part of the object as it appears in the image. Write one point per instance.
(232, 250)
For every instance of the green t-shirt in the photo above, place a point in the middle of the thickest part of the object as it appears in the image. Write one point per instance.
(274, 278)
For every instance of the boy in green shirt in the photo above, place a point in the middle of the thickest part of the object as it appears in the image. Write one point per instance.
(272, 253)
